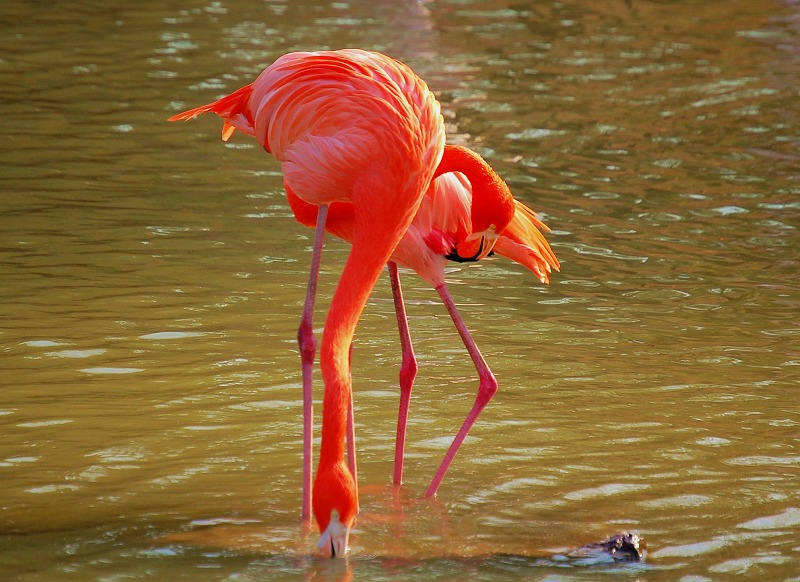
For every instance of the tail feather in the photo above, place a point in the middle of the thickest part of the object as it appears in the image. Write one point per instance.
(234, 109)
(523, 242)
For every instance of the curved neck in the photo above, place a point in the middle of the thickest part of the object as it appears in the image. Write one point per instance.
(492, 202)
(457, 158)
(378, 230)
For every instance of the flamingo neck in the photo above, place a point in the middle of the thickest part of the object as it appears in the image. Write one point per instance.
(457, 158)
(359, 276)
(379, 225)
(492, 202)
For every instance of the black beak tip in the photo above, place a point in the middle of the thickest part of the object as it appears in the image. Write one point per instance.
(454, 256)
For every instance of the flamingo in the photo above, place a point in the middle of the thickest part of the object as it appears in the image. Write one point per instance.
(357, 127)
(441, 231)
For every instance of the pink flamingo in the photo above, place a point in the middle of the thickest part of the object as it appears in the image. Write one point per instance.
(357, 127)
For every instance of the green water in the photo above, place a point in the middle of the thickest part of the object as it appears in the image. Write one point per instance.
(152, 282)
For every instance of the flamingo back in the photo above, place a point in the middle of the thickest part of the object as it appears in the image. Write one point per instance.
(331, 117)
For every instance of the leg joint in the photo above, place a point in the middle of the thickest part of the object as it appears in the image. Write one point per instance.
(487, 388)
(306, 340)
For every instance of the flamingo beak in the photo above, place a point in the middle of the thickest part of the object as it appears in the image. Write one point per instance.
(333, 541)
(485, 242)
(475, 247)
(489, 240)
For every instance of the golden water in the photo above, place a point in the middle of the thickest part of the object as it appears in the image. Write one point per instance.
(152, 281)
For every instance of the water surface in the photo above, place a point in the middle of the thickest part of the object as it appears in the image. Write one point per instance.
(152, 281)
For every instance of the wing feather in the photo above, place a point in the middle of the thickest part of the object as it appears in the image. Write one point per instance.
(523, 242)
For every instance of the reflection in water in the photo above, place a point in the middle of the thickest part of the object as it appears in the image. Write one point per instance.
(150, 385)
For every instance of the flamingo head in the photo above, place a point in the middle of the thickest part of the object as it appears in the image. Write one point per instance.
(492, 202)
(475, 246)
(333, 541)
(491, 214)
(335, 507)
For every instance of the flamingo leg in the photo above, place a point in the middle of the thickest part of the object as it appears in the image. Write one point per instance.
(308, 349)
(486, 389)
(408, 372)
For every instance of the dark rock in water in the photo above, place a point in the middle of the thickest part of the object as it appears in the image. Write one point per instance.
(623, 547)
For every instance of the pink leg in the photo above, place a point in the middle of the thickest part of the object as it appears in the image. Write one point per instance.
(408, 372)
(486, 389)
(308, 349)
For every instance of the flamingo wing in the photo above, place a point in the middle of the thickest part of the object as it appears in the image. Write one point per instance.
(332, 117)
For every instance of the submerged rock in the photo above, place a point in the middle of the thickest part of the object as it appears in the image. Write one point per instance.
(623, 547)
